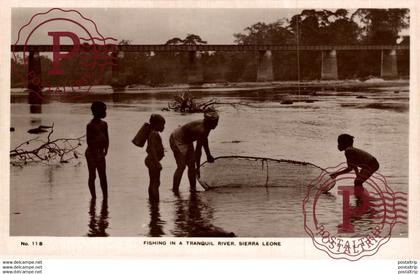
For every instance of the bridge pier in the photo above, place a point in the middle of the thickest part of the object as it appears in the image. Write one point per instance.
(265, 66)
(195, 68)
(116, 82)
(329, 65)
(115, 72)
(34, 78)
(389, 68)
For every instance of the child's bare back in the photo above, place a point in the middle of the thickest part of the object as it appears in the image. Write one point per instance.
(97, 136)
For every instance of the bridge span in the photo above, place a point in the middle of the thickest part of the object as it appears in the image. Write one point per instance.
(329, 67)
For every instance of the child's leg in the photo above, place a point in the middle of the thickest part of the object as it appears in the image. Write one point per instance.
(192, 174)
(154, 175)
(180, 151)
(180, 167)
(92, 175)
(362, 196)
(364, 174)
(103, 219)
(102, 176)
(178, 176)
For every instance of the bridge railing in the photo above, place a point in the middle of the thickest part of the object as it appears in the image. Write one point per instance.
(187, 48)
(329, 63)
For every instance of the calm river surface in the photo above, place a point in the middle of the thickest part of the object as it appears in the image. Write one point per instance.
(55, 201)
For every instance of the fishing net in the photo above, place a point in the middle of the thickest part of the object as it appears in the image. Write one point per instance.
(241, 171)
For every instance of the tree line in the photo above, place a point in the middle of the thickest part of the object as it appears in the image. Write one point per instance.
(310, 27)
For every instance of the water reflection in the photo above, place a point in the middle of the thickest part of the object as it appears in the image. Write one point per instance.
(35, 108)
(361, 216)
(260, 211)
(98, 224)
(353, 215)
(194, 218)
(49, 174)
(156, 223)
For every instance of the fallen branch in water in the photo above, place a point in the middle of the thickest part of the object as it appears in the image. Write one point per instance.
(185, 102)
(50, 151)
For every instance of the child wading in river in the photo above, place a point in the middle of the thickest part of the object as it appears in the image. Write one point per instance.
(150, 132)
(98, 142)
(356, 158)
(182, 144)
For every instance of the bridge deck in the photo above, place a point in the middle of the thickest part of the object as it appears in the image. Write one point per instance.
(178, 48)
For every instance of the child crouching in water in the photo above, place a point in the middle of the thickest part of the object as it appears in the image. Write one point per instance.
(155, 153)
(356, 158)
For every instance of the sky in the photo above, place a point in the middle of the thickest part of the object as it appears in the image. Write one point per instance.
(156, 26)
(145, 26)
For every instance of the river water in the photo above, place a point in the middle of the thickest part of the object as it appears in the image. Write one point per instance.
(53, 200)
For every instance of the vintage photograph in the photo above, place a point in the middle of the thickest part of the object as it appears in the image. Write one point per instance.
(210, 123)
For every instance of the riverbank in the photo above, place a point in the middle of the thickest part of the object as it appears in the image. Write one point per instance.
(372, 83)
(273, 91)
(318, 84)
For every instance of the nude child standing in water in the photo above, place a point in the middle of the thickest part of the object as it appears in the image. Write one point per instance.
(98, 143)
(155, 153)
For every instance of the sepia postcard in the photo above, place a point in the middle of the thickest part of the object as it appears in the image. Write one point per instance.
(225, 129)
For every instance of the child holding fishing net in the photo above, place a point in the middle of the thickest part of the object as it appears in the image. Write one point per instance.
(182, 144)
(356, 158)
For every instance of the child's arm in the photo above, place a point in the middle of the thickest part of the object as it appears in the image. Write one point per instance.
(203, 142)
(356, 170)
(338, 173)
(350, 166)
(210, 158)
(198, 156)
(154, 142)
(89, 136)
(106, 138)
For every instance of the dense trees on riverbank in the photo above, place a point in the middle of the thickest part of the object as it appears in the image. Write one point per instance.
(310, 27)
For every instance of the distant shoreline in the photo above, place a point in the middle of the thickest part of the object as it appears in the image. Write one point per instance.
(303, 86)
(327, 84)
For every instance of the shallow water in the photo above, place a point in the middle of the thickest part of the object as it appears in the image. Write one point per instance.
(55, 201)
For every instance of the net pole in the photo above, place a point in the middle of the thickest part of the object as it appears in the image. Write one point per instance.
(297, 54)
